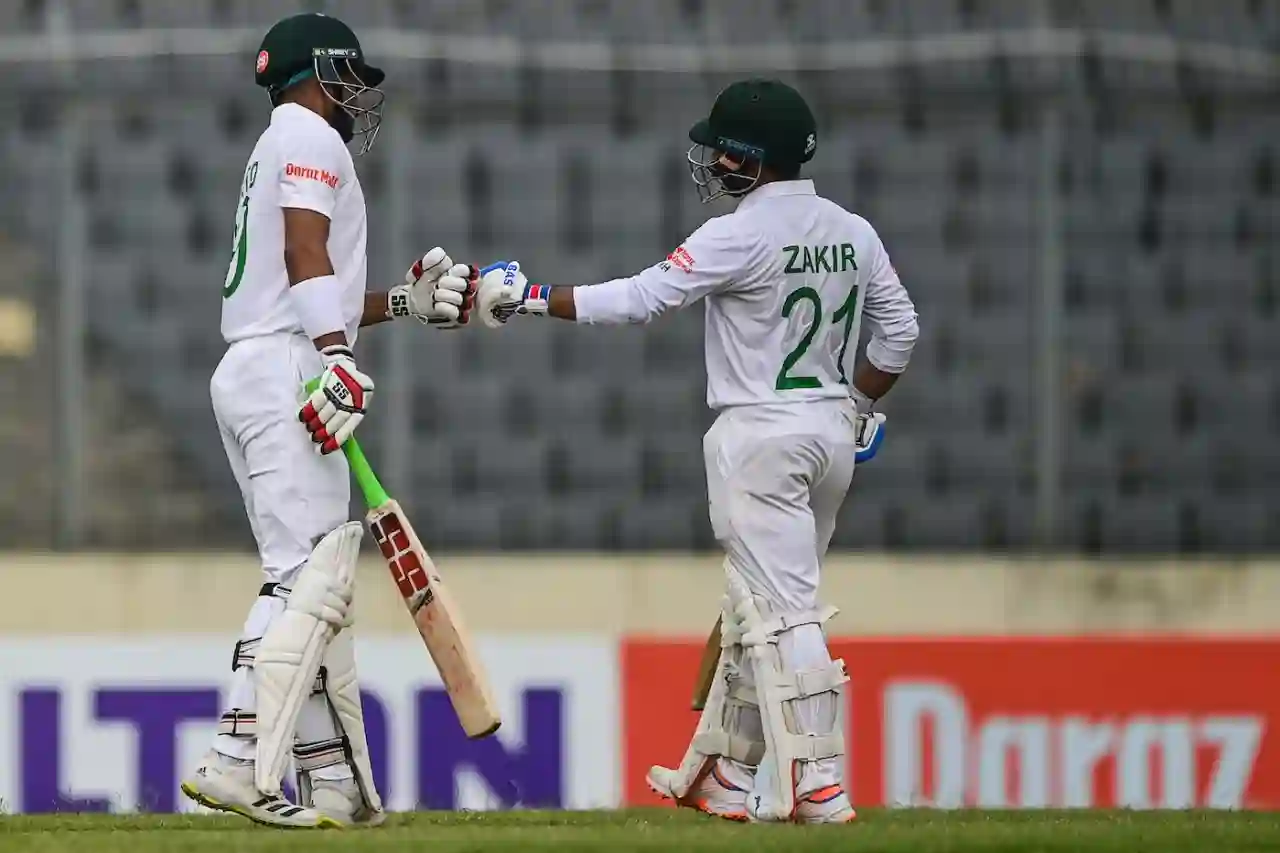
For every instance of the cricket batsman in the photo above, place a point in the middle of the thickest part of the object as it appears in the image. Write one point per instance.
(293, 302)
(788, 277)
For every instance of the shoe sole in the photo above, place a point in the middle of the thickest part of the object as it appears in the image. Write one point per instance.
(696, 805)
(850, 819)
(210, 803)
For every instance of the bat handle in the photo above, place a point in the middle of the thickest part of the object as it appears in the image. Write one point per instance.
(374, 495)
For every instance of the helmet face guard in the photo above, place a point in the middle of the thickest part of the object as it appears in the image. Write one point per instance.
(344, 78)
(724, 171)
(350, 85)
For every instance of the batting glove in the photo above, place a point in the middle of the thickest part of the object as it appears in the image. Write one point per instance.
(869, 431)
(505, 291)
(340, 401)
(436, 291)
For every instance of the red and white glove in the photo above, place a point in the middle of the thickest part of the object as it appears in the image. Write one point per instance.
(340, 401)
(436, 291)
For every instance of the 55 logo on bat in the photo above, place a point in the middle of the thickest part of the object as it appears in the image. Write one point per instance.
(410, 576)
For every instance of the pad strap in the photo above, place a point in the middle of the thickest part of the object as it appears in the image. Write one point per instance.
(782, 622)
(238, 723)
(816, 747)
(246, 650)
(321, 753)
(731, 627)
(813, 682)
(246, 653)
(799, 685)
(720, 742)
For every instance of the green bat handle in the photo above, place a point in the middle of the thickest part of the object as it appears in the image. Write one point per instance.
(374, 495)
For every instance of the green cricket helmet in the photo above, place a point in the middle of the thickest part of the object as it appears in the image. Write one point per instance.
(312, 44)
(756, 121)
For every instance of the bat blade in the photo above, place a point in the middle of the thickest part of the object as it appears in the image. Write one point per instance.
(435, 613)
(707, 668)
(438, 619)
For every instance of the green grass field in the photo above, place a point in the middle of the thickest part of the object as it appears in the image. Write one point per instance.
(664, 829)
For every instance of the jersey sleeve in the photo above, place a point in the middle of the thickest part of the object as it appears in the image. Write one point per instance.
(890, 316)
(311, 172)
(715, 258)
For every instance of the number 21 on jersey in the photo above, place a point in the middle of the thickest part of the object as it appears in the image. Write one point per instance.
(240, 246)
(817, 259)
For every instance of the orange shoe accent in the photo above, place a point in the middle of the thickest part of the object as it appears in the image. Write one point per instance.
(701, 805)
(824, 795)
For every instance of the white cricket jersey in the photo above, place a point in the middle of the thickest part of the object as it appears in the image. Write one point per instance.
(299, 162)
(788, 278)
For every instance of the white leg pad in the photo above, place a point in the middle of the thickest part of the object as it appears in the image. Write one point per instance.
(778, 687)
(352, 747)
(292, 649)
(729, 724)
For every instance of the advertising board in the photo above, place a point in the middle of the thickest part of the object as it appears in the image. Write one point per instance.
(111, 725)
(1017, 722)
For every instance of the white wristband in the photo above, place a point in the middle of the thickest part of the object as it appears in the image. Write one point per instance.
(318, 304)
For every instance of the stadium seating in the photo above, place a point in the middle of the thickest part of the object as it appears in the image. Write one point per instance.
(591, 438)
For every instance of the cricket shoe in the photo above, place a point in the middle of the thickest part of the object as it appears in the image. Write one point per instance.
(340, 800)
(721, 792)
(226, 785)
(824, 805)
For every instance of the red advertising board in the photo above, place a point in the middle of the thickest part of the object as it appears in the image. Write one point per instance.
(1017, 722)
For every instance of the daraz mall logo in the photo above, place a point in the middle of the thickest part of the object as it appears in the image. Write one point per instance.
(312, 174)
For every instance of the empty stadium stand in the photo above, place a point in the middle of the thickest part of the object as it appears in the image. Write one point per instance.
(1172, 290)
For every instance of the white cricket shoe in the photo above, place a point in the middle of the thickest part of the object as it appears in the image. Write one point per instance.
(824, 805)
(829, 804)
(721, 792)
(340, 800)
(820, 798)
(226, 784)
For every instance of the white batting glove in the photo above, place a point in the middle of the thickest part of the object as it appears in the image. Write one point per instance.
(505, 291)
(436, 291)
(340, 401)
(454, 297)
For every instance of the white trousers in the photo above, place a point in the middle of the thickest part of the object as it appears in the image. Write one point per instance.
(776, 477)
(293, 496)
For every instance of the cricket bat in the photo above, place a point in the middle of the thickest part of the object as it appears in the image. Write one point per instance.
(434, 611)
(707, 668)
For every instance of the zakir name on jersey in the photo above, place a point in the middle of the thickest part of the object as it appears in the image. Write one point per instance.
(838, 257)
